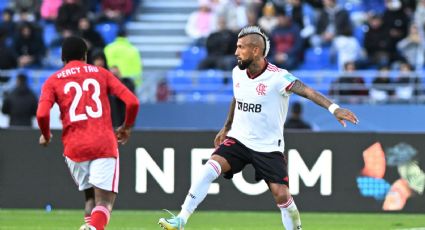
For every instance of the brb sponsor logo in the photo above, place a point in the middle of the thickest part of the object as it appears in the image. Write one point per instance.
(320, 173)
(249, 107)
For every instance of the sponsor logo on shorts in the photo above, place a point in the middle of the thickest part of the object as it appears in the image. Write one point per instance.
(228, 142)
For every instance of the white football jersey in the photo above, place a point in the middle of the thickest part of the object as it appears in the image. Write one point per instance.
(261, 108)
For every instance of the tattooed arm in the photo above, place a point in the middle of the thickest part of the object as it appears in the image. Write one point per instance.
(227, 125)
(341, 114)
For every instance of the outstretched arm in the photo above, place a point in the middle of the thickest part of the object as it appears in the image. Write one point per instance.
(340, 114)
(227, 125)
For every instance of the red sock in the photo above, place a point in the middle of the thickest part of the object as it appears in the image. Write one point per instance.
(99, 217)
(87, 218)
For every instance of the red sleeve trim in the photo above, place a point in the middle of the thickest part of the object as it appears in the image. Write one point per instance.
(289, 86)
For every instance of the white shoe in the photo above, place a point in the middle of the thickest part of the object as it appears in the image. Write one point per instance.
(87, 227)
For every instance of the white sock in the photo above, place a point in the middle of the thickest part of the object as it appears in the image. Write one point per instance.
(290, 215)
(199, 188)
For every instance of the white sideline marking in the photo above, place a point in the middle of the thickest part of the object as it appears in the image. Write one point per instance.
(419, 228)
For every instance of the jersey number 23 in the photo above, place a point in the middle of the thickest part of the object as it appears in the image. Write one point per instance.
(78, 94)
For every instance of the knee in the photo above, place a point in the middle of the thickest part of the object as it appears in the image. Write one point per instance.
(281, 196)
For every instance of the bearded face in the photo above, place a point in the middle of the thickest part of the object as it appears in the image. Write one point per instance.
(243, 64)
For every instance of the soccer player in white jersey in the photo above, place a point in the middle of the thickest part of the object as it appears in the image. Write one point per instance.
(253, 131)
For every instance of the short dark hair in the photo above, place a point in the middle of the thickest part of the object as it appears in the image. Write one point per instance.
(122, 32)
(73, 48)
(297, 107)
(22, 78)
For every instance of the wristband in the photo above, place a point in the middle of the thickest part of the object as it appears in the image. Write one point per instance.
(333, 107)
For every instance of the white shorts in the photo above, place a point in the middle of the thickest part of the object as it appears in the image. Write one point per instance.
(101, 173)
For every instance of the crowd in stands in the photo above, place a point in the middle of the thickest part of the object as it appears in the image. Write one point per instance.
(31, 30)
(340, 35)
(358, 34)
(31, 35)
(370, 33)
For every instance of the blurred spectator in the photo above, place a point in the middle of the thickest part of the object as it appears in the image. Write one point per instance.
(126, 57)
(376, 42)
(349, 87)
(316, 4)
(49, 9)
(8, 58)
(332, 19)
(93, 39)
(70, 12)
(215, 5)
(412, 48)
(303, 15)
(252, 18)
(32, 7)
(24, 15)
(295, 120)
(382, 88)
(20, 104)
(395, 23)
(419, 16)
(221, 47)
(57, 42)
(235, 12)
(8, 25)
(409, 7)
(201, 23)
(268, 21)
(286, 43)
(162, 91)
(29, 46)
(116, 10)
(346, 47)
(118, 106)
(407, 83)
(98, 58)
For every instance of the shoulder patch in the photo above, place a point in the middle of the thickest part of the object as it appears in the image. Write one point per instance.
(289, 77)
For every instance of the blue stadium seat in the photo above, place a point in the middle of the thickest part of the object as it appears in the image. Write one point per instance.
(317, 59)
(108, 31)
(3, 4)
(210, 77)
(192, 56)
(49, 33)
(53, 58)
(178, 77)
(359, 32)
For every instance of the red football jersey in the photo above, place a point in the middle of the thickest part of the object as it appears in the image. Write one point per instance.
(81, 91)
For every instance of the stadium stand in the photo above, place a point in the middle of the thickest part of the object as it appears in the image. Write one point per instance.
(169, 55)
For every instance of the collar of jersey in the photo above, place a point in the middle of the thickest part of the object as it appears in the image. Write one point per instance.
(252, 77)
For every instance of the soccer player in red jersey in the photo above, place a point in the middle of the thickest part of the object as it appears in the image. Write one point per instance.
(90, 145)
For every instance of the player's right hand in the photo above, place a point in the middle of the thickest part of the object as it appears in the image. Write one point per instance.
(42, 140)
(123, 133)
(219, 138)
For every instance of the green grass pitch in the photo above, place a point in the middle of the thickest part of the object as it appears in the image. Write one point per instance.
(14, 219)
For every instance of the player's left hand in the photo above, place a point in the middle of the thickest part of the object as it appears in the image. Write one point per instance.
(343, 115)
(42, 140)
(123, 133)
